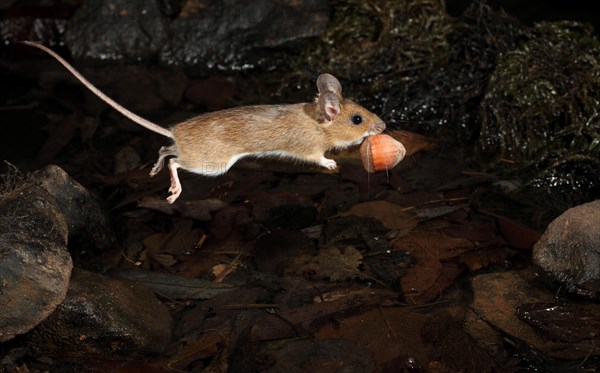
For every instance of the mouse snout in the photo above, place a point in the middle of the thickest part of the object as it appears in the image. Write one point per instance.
(377, 128)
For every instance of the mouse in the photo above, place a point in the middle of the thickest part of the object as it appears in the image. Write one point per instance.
(211, 143)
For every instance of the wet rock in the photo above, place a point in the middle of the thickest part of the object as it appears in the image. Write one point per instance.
(38, 218)
(444, 101)
(569, 253)
(497, 296)
(231, 35)
(39, 21)
(116, 30)
(102, 315)
(35, 265)
(89, 228)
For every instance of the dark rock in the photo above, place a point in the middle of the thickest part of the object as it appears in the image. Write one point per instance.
(230, 35)
(37, 220)
(569, 251)
(35, 265)
(445, 101)
(31, 28)
(89, 229)
(34, 20)
(102, 315)
(116, 30)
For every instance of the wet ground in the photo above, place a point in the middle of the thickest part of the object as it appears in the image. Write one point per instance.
(405, 269)
(277, 265)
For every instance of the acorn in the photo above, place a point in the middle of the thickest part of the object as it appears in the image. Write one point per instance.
(381, 152)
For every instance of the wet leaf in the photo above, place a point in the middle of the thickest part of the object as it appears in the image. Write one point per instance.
(208, 345)
(433, 245)
(515, 233)
(198, 209)
(174, 286)
(385, 332)
(555, 320)
(437, 211)
(427, 280)
(331, 263)
(392, 215)
(453, 346)
(306, 355)
(161, 248)
(435, 269)
(485, 257)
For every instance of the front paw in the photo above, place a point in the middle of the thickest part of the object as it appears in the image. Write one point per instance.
(328, 163)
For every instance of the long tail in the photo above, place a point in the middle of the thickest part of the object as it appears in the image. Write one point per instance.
(134, 117)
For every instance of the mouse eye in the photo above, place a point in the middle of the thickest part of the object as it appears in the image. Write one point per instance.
(357, 119)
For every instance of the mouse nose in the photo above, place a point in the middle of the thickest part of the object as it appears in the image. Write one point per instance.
(377, 127)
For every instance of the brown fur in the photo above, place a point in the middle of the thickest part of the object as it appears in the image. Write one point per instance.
(211, 143)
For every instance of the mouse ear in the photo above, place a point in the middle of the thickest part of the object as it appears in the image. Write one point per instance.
(330, 106)
(329, 83)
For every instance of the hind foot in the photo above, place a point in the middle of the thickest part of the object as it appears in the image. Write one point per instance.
(175, 188)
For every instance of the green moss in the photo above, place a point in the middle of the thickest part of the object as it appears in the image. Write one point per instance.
(367, 39)
(540, 119)
(543, 97)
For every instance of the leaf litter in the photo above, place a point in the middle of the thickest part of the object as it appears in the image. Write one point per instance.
(281, 268)
(270, 287)
(302, 271)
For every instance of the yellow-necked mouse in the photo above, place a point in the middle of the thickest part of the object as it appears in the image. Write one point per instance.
(211, 143)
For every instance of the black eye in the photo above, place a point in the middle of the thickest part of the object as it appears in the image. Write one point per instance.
(357, 119)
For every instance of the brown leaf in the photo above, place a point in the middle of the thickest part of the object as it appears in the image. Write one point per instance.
(426, 281)
(515, 233)
(208, 345)
(331, 263)
(356, 299)
(484, 257)
(198, 209)
(162, 248)
(385, 332)
(392, 215)
(453, 346)
(433, 245)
